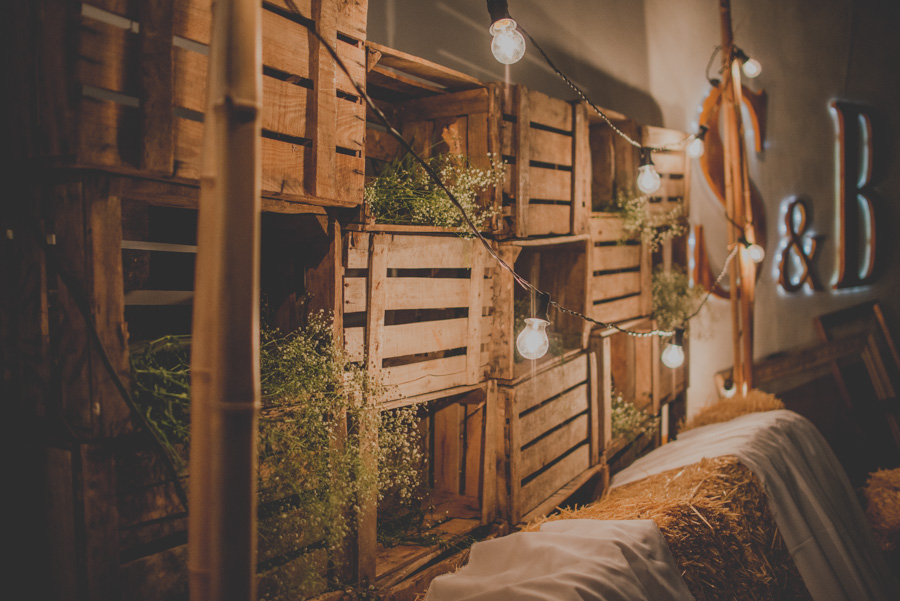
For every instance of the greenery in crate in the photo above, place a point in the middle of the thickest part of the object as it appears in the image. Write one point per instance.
(315, 405)
(652, 228)
(674, 299)
(628, 421)
(403, 193)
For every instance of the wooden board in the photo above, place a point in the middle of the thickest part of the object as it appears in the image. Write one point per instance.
(621, 284)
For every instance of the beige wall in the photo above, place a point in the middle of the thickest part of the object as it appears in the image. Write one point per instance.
(645, 58)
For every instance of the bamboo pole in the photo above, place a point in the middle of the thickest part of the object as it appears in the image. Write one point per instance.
(225, 353)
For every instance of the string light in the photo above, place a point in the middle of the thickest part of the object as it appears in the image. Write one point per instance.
(532, 342)
(749, 66)
(508, 45)
(648, 179)
(753, 251)
(696, 146)
(673, 356)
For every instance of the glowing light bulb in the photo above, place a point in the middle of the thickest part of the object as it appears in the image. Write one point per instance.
(695, 148)
(508, 46)
(532, 342)
(751, 68)
(673, 356)
(756, 253)
(648, 179)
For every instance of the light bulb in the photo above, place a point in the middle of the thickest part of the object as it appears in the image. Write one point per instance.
(508, 45)
(695, 148)
(648, 179)
(751, 68)
(532, 342)
(673, 356)
(756, 253)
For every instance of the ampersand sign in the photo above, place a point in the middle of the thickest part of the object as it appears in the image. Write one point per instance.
(799, 246)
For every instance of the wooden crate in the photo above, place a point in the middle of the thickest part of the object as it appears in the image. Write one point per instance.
(413, 310)
(558, 266)
(546, 191)
(674, 168)
(614, 161)
(554, 436)
(621, 280)
(460, 433)
(134, 97)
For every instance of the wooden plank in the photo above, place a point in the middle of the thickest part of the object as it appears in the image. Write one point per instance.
(669, 162)
(376, 301)
(661, 136)
(156, 77)
(549, 184)
(149, 298)
(502, 334)
(569, 404)
(447, 447)
(433, 72)
(490, 455)
(158, 576)
(604, 392)
(320, 175)
(615, 285)
(97, 494)
(426, 376)
(107, 134)
(550, 111)
(581, 172)
(551, 382)
(643, 376)
(549, 219)
(349, 190)
(603, 166)
(594, 408)
(444, 105)
(620, 256)
(618, 310)
(356, 252)
(351, 14)
(522, 191)
(474, 321)
(598, 472)
(473, 452)
(478, 149)
(550, 147)
(56, 113)
(424, 337)
(106, 57)
(381, 145)
(417, 252)
(410, 293)
(547, 483)
(606, 227)
(60, 515)
(553, 445)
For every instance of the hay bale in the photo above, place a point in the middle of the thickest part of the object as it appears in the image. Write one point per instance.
(726, 409)
(882, 494)
(715, 518)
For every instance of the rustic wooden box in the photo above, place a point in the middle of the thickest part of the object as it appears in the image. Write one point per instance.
(614, 161)
(554, 436)
(558, 266)
(621, 280)
(413, 310)
(460, 432)
(543, 140)
(136, 93)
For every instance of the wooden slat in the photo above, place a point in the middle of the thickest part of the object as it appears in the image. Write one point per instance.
(618, 310)
(475, 321)
(146, 298)
(546, 417)
(490, 483)
(447, 447)
(319, 173)
(102, 125)
(552, 480)
(594, 408)
(424, 337)
(581, 173)
(661, 136)
(444, 105)
(615, 285)
(167, 571)
(604, 393)
(356, 252)
(620, 256)
(375, 301)
(521, 186)
(413, 252)
(351, 14)
(407, 63)
(410, 380)
(550, 111)
(381, 145)
(550, 147)
(549, 184)
(472, 451)
(669, 162)
(606, 228)
(551, 382)
(549, 219)
(410, 293)
(104, 54)
(157, 80)
(553, 445)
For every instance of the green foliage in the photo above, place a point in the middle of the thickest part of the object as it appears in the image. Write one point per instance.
(627, 420)
(403, 193)
(674, 299)
(318, 409)
(652, 228)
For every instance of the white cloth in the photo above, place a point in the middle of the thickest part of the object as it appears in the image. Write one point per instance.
(812, 501)
(569, 560)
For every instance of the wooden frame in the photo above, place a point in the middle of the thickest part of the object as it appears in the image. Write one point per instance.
(554, 441)
(559, 266)
(423, 333)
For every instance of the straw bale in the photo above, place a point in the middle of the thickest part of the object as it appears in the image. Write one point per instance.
(726, 409)
(882, 494)
(715, 517)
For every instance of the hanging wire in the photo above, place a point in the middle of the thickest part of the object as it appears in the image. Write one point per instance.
(712, 82)
(597, 109)
(521, 281)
